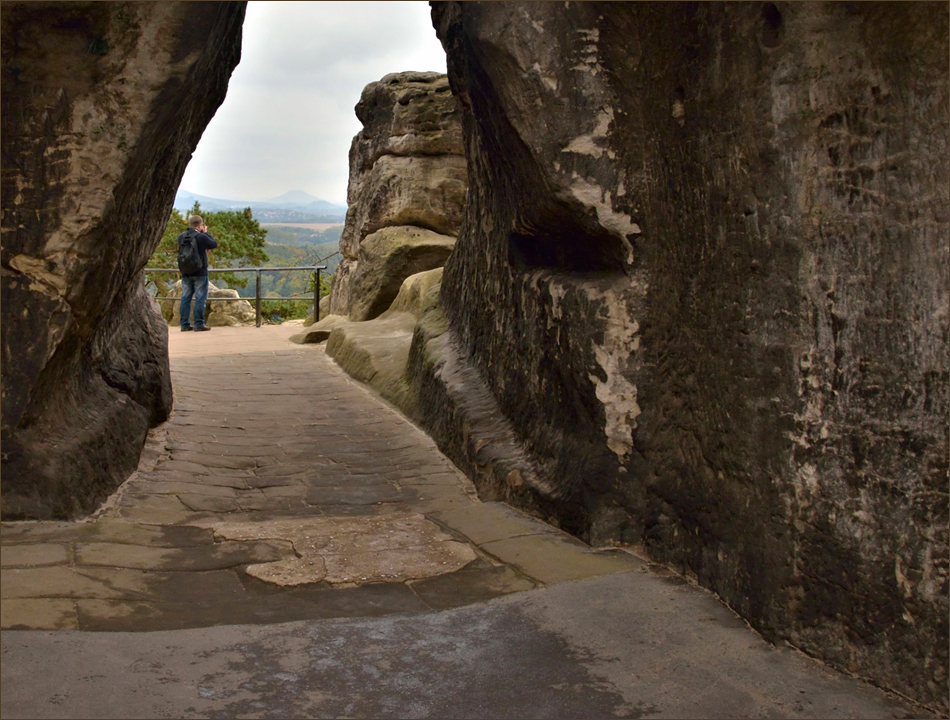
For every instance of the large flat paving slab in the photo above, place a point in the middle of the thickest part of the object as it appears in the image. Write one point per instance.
(630, 645)
(291, 546)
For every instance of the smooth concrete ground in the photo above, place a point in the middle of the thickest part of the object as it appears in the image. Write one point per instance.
(624, 645)
(292, 547)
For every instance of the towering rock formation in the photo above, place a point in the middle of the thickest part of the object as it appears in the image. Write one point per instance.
(406, 188)
(103, 104)
(406, 195)
(698, 299)
(702, 277)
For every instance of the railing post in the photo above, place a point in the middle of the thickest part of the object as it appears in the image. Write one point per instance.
(316, 295)
(257, 298)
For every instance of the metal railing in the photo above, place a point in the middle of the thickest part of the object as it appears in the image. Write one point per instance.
(257, 293)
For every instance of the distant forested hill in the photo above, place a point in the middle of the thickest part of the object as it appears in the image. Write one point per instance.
(300, 236)
(294, 206)
(284, 255)
(292, 247)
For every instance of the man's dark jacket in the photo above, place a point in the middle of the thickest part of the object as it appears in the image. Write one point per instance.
(205, 243)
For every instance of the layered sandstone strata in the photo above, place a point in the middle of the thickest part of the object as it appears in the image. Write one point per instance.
(703, 278)
(407, 170)
(103, 105)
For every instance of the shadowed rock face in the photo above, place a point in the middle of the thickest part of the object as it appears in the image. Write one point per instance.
(703, 274)
(103, 104)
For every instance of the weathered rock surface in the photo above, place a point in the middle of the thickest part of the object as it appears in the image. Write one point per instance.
(424, 191)
(339, 303)
(703, 277)
(406, 193)
(416, 291)
(407, 168)
(352, 551)
(415, 294)
(103, 105)
(387, 258)
(405, 114)
(319, 331)
(376, 352)
(227, 312)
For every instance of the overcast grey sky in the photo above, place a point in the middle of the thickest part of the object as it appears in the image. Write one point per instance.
(288, 118)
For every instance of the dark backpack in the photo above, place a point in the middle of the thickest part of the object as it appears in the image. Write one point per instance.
(189, 259)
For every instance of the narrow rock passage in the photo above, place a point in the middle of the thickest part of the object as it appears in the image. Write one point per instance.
(283, 495)
(279, 490)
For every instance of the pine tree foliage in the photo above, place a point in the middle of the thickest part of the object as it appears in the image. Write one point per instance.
(240, 239)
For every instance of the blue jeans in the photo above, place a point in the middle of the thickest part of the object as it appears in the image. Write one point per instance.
(196, 286)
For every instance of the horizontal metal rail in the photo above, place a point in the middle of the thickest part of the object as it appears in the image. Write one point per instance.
(257, 293)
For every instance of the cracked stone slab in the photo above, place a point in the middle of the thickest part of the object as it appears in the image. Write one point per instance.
(178, 487)
(554, 558)
(355, 495)
(259, 483)
(39, 614)
(209, 503)
(337, 478)
(473, 583)
(39, 555)
(150, 516)
(198, 590)
(67, 582)
(238, 482)
(182, 467)
(347, 551)
(421, 493)
(490, 521)
(32, 531)
(214, 557)
(213, 461)
(136, 498)
(113, 530)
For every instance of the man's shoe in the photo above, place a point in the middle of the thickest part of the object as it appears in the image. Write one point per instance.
(186, 329)
(202, 328)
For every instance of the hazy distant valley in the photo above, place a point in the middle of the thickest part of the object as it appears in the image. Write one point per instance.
(288, 245)
(295, 206)
(301, 230)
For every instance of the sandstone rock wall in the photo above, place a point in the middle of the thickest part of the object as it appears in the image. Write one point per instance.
(103, 104)
(407, 169)
(703, 276)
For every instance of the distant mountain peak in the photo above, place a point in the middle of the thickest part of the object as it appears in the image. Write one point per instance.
(295, 196)
(305, 208)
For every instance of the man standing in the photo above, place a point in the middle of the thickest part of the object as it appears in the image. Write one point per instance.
(196, 284)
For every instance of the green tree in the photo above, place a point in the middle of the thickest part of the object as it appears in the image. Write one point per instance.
(298, 285)
(240, 239)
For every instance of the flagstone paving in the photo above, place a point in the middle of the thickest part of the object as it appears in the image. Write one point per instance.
(294, 547)
(277, 483)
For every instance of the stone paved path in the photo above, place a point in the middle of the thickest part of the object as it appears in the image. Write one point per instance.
(285, 496)
(279, 490)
